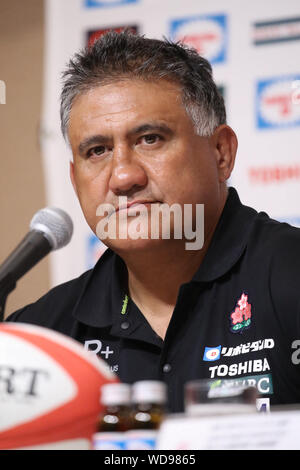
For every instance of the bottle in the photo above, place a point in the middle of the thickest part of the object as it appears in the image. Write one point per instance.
(115, 419)
(116, 416)
(149, 398)
(205, 397)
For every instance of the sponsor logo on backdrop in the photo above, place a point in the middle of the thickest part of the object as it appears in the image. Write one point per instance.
(268, 32)
(107, 3)
(94, 250)
(278, 102)
(206, 33)
(93, 35)
(215, 353)
(274, 174)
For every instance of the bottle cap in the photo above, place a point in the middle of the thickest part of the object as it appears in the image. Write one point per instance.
(149, 391)
(115, 394)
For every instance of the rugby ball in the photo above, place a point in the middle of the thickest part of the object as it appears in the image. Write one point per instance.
(50, 389)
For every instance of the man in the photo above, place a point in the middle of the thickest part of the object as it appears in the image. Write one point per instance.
(147, 128)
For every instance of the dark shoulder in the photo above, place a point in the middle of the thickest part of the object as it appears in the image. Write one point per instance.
(276, 240)
(55, 307)
(274, 250)
(54, 310)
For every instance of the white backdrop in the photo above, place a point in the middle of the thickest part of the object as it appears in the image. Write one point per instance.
(254, 48)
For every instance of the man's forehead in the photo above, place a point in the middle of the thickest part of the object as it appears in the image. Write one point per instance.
(127, 103)
(125, 91)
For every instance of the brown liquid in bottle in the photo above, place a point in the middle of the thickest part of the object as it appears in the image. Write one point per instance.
(116, 416)
(149, 404)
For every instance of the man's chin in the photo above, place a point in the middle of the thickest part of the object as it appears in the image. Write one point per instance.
(129, 245)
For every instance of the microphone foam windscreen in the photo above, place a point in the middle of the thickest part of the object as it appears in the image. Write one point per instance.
(56, 225)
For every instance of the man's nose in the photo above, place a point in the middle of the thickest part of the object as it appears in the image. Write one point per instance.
(127, 172)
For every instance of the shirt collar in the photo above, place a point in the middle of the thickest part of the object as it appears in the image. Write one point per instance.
(103, 292)
(229, 240)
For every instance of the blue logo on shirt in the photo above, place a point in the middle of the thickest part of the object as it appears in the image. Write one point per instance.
(212, 354)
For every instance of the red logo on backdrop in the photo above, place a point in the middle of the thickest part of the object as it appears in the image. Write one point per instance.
(205, 33)
(278, 102)
(274, 174)
(92, 36)
(200, 41)
(283, 103)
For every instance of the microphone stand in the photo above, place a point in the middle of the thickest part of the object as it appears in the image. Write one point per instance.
(7, 284)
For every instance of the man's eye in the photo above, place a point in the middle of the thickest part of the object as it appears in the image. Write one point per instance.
(99, 150)
(151, 138)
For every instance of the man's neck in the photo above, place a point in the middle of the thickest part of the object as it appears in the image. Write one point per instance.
(154, 283)
(159, 273)
(156, 273)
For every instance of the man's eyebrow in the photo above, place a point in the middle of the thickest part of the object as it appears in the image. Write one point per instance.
(93, 140)
(159, 127)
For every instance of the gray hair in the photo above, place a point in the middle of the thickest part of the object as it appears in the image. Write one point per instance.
(117, 56)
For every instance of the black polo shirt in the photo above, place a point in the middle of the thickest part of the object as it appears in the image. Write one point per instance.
(237, 319)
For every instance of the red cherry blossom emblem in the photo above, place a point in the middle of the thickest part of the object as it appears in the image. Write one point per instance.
(241, 316)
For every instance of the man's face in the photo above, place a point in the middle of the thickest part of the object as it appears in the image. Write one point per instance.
(134, 139)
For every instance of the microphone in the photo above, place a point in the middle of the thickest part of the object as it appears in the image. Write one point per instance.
(50, 229)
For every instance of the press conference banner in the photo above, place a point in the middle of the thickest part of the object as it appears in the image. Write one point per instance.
(254, 49)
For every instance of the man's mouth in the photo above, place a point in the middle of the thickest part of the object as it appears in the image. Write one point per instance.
(136, 206)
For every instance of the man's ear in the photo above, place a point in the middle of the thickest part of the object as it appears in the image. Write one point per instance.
(72, 177)
(225, 143)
